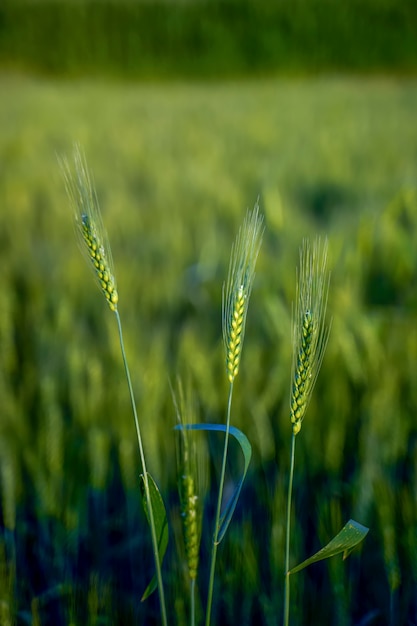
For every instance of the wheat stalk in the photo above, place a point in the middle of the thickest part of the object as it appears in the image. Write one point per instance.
(95, 243)
(235, 302)
(310, 335)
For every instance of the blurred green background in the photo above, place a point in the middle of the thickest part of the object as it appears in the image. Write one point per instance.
(207, 38)
(188, 112)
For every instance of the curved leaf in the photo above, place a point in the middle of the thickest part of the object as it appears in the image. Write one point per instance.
(350, 535)
(161, 524)
(247, 454)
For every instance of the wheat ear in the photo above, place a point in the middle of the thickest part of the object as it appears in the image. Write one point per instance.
(189, 512)
(310, 333)
(189, 474)
(237, 289)
(192, 473)
(90, 229)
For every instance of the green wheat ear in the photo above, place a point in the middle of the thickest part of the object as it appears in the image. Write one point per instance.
(191, 463)
(310, 333)
(190, 513)
(90, 229)
(237, 289)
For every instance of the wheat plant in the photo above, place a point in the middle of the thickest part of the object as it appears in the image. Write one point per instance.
(235, 303)
(309, 335)
(95, 245)
(192, 471)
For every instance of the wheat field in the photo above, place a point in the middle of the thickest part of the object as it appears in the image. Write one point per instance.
(176, 165)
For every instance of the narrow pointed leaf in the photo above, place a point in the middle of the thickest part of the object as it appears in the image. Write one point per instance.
(350, 535)
(161, 525)
(247, 454)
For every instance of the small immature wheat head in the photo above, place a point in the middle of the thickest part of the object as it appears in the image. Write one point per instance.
(90, 226)
(191, 478)
(310, 334)
(237, 289)
(191, 522)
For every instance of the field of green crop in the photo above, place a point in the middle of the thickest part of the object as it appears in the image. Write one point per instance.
(175, 167)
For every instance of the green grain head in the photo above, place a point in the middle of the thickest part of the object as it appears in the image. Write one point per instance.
(191, 522)
(310, 332)
(192, 477)
(90, 229)
(237, 289)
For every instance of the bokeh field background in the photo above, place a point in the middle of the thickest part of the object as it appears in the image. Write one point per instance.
(177, 159)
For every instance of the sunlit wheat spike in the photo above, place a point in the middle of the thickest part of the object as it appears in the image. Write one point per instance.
(310, 333)
(90, 226)
(237, 289)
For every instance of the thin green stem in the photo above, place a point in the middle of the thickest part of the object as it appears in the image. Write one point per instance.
(288, 536)
(145, 479)
(218, 511)
(192, 601)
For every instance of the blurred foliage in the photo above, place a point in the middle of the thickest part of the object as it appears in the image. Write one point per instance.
(207, 38)
(175, 167)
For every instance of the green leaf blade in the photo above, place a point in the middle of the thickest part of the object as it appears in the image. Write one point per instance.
(160, 521)
(246, 448)
(350, 535)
